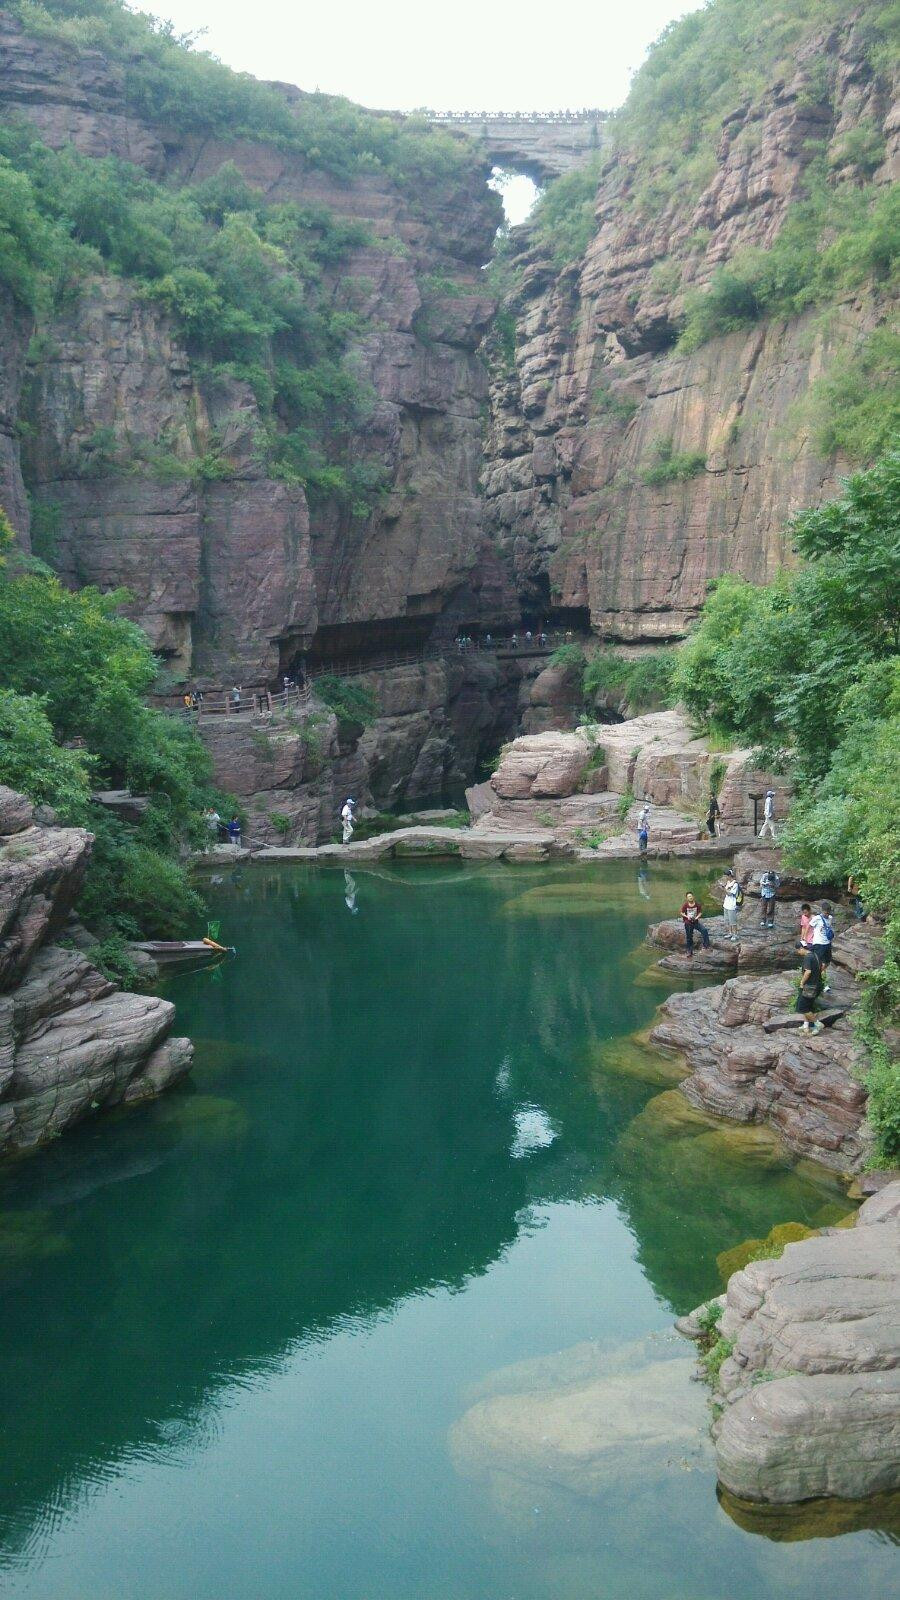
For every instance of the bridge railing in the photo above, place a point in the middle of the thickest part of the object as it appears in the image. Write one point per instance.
(588, 114)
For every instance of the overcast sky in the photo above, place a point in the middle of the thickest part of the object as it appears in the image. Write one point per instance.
(463, 55)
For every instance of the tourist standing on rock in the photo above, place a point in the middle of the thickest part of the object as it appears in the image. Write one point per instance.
(805, 920)
(734, 896)
(820, 936)
(690, 916)
(768, 828)
(713, 813)
(643, 830)
(234, 833)
(768, 893)
(347, 818)
(810, 988)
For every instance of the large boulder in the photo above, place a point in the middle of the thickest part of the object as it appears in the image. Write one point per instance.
(812, 1385)
(70, 1042)
(542, 765)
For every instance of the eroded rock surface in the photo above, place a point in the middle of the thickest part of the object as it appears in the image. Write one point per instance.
(598, 393)
(812, 1386)
(70, 1042)
(806, 1087)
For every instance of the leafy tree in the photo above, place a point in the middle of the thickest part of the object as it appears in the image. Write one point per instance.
(71, 667)
(32, 761)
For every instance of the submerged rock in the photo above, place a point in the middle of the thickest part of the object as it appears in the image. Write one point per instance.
(583, 1419)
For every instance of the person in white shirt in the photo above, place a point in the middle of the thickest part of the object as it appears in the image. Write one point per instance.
(819, 936)
(730, 905)
(768, 827)
(347, 819)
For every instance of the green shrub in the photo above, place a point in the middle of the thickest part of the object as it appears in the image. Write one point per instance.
(281, 823)
(563, 217)
(836, 238)
(854, 407)
(712, 1360)
(570, 656)
(621, 408)
(668, 466)
(115, 961)
(352, 703)
(644, 680)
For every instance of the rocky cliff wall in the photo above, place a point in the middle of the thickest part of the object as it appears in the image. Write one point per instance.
(597, 395)
(230, 577)
(70, 1042)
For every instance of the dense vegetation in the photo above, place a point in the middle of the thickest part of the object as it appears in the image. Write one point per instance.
(640, 682)
(169, 82)
(72, 719)
(721, 56)
(808, 668)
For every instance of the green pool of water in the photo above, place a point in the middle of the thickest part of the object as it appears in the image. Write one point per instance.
(287, 1331)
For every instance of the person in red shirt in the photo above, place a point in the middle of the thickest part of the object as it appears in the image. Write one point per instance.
(690, 916)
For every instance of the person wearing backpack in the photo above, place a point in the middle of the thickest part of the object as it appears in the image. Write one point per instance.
(734, 899)
(820, 936)
(810, 988)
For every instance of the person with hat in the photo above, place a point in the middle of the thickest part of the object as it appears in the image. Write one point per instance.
(347, 819)
(768, 826)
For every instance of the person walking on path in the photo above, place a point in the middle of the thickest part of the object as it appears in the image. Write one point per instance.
(347, 819)
(819, 938)
(768, 826)
(810, 988)
(734, 897)
(713, 813)
(643, 830)
(768, 893)
(690, 916)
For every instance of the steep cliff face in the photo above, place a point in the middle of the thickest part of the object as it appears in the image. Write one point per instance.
(624, 474)
(234, 575)
(70, 1042)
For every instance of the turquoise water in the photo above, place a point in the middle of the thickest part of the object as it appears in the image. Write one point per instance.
(245, 1327)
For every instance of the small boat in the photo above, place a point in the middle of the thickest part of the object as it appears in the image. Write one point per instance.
(178, 952)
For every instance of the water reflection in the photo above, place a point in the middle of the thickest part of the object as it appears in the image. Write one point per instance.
(348, 1144)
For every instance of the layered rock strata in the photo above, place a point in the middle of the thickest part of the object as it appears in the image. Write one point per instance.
(70, 1042)
(231, 576)
(808, 1089)
(596, 400)
(811, 1388)
(657, 758)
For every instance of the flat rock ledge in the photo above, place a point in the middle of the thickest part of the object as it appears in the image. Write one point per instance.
(804, 1086)
(810, 1393)
(70, 1042)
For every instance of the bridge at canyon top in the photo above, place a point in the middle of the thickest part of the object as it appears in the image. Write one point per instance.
(540, 144)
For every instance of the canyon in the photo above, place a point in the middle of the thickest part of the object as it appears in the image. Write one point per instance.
(516, 449)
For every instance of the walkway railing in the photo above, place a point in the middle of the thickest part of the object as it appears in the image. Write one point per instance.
(261, 700)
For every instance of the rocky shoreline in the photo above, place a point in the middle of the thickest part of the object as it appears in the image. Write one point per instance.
(71, 1043)
(805, 1355)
